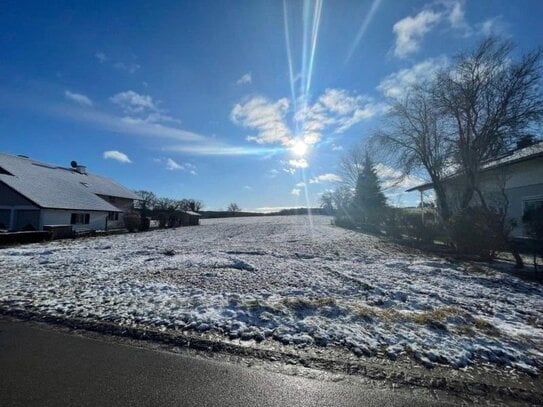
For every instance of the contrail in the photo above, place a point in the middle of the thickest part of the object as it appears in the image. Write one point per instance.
(289, 58)
(362, 30)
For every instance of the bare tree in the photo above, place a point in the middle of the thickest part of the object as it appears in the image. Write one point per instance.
(490, 101)
(351, 164)
(233, 208)
(343, 198)
(195, 205)
(147, 202)
(327, 202)
(414, 138)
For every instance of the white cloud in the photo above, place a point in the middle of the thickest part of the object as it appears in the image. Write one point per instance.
(172, 165)
(117, 156)
(272, 173)
(245, 79)
(336, 147)
(300, 163)
(300, 184)
(335, 111)
(248, 187)
(328, 177)
(266, 117)
(133, 102)
(456, 16)
(296, 191)
(492, 26)
(396, 84)
(78, 98)
(100, 56)
(129, 67)
(411, 30)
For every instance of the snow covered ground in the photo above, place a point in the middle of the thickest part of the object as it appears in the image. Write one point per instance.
(278, 278)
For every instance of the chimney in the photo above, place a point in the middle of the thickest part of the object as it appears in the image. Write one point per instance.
(81, 169)
(78, 168)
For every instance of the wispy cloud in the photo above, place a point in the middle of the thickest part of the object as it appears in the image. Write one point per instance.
(172, 165)
(117, 156)
(411, 30)
(300, 163)
(133, 102)
(120, 124)
(396, 84)
(214, 147)
(78, 98)
(328, 177)
(267, 117)
(296, 191)
(246, 79)
(336, 110)
(130, 67)
(100, 56)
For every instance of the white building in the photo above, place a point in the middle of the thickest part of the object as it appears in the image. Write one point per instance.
(514, 181)
(34, 194)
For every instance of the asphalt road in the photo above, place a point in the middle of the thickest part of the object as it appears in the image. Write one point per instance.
(44, 367)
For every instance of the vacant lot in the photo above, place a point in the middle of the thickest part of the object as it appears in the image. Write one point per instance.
(285, 279)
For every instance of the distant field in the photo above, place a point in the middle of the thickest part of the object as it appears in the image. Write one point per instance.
(287, 280)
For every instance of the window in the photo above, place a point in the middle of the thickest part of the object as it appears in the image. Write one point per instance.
(532, 204)
(80, 218)
(113, 216)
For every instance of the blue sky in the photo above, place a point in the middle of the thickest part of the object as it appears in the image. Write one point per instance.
(245, 101)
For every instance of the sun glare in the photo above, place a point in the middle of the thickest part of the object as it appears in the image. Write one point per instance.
(299, 148)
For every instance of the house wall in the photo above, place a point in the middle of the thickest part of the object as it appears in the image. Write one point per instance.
(16, 211)
(508, 186)
(10, 197)
(124, 204)
(97, 219)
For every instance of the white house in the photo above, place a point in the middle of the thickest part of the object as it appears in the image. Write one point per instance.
(514, 181)
(35, 194)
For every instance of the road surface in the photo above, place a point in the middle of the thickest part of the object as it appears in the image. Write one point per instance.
(40, 366)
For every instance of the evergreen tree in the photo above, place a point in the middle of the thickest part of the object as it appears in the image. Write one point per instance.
(369, 200)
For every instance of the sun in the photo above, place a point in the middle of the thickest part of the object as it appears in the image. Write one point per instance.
(299, 148)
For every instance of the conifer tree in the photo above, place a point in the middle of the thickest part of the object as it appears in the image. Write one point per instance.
(369, 200)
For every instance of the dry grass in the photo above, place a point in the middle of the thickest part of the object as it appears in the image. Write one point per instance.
(438, 315)
(485, 327)
(300, 303)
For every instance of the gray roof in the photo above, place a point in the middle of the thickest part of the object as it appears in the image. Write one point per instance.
(51, 186)
(522, 154)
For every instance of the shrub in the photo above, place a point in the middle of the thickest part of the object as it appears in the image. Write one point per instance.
(478, 231)
(145, 224)
(132, 221)
(533, 222)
